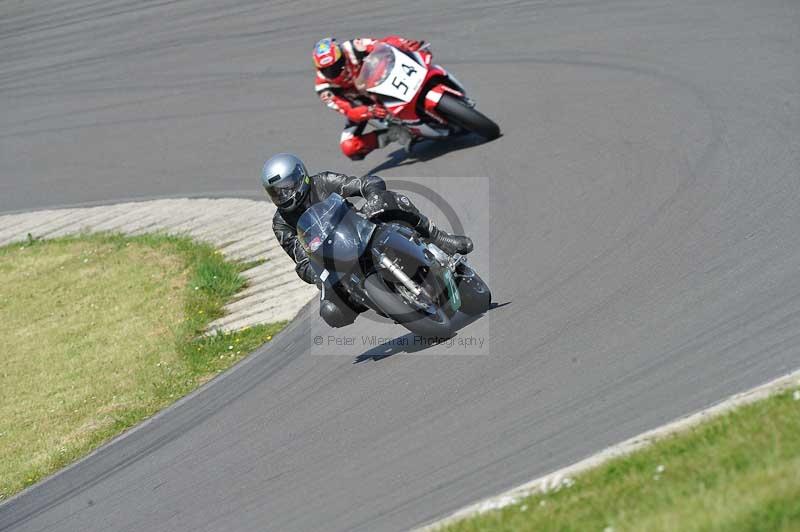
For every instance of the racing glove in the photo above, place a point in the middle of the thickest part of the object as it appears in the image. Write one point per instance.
(412, 45)
(409, 45)
(378, 111)
(379, 202)
(363, 113)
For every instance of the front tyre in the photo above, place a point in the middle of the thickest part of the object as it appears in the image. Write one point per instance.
(476, 298)
(430, 325)
(456, 111)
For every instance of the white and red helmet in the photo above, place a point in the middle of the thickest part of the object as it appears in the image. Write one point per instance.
(330, 61)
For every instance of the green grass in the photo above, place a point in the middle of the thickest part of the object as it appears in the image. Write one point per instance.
(738, 472)
(100, 332)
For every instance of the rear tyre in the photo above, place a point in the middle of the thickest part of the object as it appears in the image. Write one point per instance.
(459, 113)
(436, 325)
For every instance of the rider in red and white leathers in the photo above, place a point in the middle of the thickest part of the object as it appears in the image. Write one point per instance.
(337, 68)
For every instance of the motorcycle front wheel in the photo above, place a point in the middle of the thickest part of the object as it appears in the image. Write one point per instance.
(476, 298)
(469, 118)
(435, 324)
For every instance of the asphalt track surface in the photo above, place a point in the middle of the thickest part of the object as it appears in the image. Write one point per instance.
(644, 240)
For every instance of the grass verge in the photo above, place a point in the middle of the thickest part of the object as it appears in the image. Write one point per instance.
(100, 332)
(737, 472)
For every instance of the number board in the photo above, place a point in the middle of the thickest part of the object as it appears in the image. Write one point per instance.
(404, 80)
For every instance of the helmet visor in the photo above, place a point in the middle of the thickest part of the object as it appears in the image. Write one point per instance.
(282, 194)
(333, 71)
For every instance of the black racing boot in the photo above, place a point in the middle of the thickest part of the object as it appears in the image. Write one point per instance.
(450, 244)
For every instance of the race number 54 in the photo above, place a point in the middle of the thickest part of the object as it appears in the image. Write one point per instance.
(410, 71)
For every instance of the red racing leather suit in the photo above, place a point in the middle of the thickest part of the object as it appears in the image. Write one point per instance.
(340, 94)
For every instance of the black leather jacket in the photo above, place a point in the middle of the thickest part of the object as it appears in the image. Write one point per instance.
(322, 185)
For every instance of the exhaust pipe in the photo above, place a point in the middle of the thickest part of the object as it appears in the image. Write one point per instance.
(401, 276)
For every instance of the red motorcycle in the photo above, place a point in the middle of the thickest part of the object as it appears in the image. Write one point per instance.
(422, 98)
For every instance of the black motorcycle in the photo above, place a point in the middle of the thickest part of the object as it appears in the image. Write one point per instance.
(389, 268)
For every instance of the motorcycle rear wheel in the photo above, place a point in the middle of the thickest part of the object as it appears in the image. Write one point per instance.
(434, 325)
(469, 118)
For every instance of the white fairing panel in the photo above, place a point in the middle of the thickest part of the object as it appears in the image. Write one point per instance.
(405, 79)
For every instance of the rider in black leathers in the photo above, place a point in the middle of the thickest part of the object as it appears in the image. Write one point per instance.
(289, 186)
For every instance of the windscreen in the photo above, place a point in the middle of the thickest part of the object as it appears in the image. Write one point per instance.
(319, 221)
(376, 68)
(332, 233)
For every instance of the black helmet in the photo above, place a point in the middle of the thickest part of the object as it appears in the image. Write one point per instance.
(286, 181)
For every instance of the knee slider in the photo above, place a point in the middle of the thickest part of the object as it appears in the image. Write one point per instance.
(352, 147)
(335, 315)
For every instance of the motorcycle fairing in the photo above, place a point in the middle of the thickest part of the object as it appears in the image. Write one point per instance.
(398, 241)
(389, 72)
(334, 237)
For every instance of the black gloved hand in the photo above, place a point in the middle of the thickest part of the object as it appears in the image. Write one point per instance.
(380, 202)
